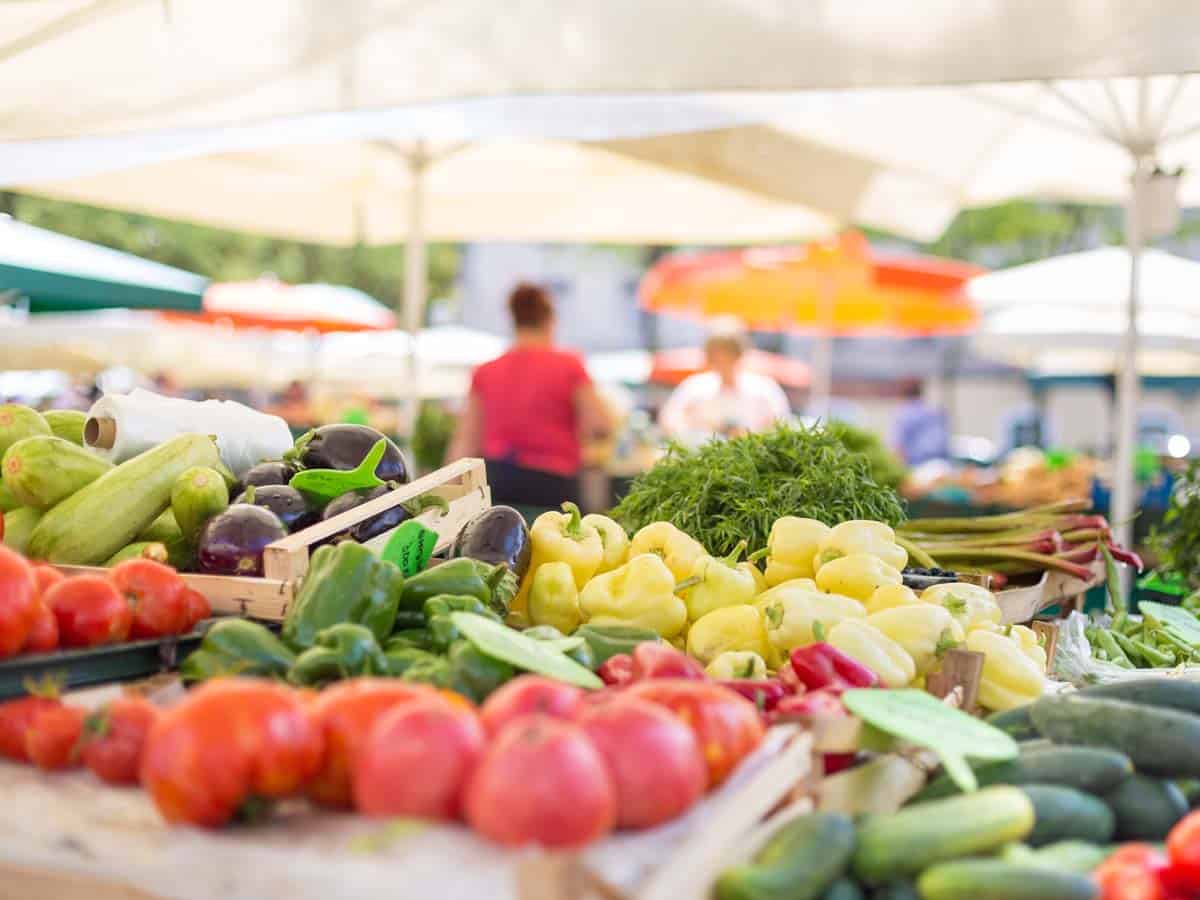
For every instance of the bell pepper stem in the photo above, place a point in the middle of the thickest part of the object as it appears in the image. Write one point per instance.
(759, 554)
(573, 527)
(733, 558)
(688, 583)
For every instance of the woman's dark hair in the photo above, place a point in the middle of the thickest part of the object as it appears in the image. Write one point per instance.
(530, 305)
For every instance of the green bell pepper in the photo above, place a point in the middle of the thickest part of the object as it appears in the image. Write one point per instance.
(607, 641)
(460, 577)
(407, 618)
(435, 671)
(341, 651)
(416, 638)
(237, 647)
(345, 583)
(473, 673)
(582, 653)
(442, 630)
(401, 659)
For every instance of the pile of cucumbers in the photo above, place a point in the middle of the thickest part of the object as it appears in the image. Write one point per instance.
(1106, 764)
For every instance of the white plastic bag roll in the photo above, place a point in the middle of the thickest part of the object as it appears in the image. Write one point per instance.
(120, 426)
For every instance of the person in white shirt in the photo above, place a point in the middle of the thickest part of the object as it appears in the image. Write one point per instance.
(724, 400)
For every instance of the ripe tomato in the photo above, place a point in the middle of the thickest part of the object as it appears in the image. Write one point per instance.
(229, 741)
(1183, 849)
(114, 737)
(1132, 873)
(653, 758)
(55, 737)
(43, 633)
(18, 591)
(344, 714)
(156, 594)
(46, 577)
(541, 781)
(417, 759)
(727, 725)
(529, 694)
(90, 611)
(198, 607)
(15, 718)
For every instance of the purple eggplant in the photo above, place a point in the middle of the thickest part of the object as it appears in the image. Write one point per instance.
(344, 447)
(293, 510)
(267, 473)
(374, 525)
(232, 542)
(496, 535)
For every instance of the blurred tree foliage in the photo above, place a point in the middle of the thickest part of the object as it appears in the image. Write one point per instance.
(231, 255)
(1024, 230)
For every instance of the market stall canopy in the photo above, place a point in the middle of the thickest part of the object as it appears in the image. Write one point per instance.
(54, 273)
(839, 287)
(269, 303)
(1068, 314)
(77, 67)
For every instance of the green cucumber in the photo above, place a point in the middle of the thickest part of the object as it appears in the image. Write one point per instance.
(94, 523)
(7, 500)
(991, 879)
(44, 470)
(1146, 808)
(1167, 693)
(139, 550)
(18, 526)
(1095, 770)
(66, 424)
(165, 530)
(844, 889)
(18, 422)
(799, 862)
(198, 495)
(904, 843)
(1079, 857)
(1063, 813)
(1157, 741)
(1015, 722)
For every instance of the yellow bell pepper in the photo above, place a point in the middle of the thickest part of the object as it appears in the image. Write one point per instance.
(1010, 678)
(561, 536)
(1027, 639)
(727, 628)
(553, 597)
(875, 650)
(614, 539)
(891, 596)
(641, 592)
(736, 664)
(760, 581)
(861, 536)
(858, 575)
(925, 631)
(677, 549)
(791, 613)
(970, 604)
(719, 582)
(791, 547)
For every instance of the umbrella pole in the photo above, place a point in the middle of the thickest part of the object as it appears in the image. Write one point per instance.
(415, 281)
(1124, 500)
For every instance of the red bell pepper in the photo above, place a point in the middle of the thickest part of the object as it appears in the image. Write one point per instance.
(617, 670)
(765, 693)
(813, 704)
(652, 660)
(824, 667)
(789, 679)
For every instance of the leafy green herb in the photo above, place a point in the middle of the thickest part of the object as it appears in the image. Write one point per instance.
(728, 491)
(1177, 540)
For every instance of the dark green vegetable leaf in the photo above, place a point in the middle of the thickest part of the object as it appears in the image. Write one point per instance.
(503, 643)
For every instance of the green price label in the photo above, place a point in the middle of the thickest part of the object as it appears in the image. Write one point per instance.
(410, 547)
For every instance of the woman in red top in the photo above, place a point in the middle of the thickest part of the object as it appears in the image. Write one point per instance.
(528, 409)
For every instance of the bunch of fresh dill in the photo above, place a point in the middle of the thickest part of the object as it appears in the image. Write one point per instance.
(727, 491)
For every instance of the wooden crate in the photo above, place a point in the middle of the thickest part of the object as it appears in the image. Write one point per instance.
(1054, 588)
(462, 484)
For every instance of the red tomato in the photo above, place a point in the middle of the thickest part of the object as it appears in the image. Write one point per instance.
(417, 759)
(654, 660)
(156, 594)
(1183, 849)
(55, 737)
(114, 738)
(46, 577)
(90, 611)
(726, 725)
(18, 591)
(529, 694)
(229, 741)
(542, 782)
(653, 758)
(43, 633)
(198, 608)
(1131, 873)
(344, 714)
(15, 718)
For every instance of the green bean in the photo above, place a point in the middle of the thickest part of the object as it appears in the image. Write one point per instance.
(1114, 651)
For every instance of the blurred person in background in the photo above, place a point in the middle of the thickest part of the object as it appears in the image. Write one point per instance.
(528, 411)
(921, 432)
(724, 399)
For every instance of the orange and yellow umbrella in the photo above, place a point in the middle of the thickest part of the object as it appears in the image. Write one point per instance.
(835, 288)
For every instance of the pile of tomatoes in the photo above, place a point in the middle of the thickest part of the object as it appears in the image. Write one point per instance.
(1145, 872)
(41, 609)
